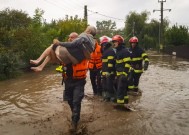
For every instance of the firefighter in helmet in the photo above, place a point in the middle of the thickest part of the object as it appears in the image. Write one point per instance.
(108, 69)
(139, 63)
(122, 67)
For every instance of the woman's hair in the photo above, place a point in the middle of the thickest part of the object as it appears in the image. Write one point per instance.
(91, 30)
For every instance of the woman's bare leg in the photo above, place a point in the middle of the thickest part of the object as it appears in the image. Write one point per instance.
(51, 57)
(43, 55)
(40, 67)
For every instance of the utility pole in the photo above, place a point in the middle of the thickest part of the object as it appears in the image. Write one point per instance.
(133, 28)
(85, 14)
(161, 33)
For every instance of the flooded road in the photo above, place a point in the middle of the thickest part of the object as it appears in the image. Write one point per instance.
(32, 104)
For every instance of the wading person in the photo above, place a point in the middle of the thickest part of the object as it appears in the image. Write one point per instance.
(108, 69)
(138, 58)
(61, 68)
(95, 66)
(122, 67)
(75, 80)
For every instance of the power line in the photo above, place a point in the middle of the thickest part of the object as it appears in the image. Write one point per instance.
(69, 8)
(69, 5)
(105, 15)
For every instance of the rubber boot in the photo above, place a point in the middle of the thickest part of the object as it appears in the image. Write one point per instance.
(73, 128)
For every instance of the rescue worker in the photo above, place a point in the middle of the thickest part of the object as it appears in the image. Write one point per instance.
(75, 80)
(95, 66)
(108, 69)
(71, 37)
(122, 67)
(138, 57)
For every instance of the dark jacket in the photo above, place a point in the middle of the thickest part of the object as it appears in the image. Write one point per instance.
(108, 61)
(137, 57)
(123, 60)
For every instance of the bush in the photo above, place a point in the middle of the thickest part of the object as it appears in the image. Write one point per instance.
(9, 65)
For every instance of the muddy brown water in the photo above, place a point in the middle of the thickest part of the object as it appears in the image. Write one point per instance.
(32, 104)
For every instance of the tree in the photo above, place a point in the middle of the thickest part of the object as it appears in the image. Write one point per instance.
(70, 24)
(106, 28)
(149, 42)
(135, 23)
(38, 17)
(147, 33)
(151, 34)
(177, 35)
(11, 21)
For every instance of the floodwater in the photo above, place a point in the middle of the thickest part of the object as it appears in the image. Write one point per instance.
(32, 104)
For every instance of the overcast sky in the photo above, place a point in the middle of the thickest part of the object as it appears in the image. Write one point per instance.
(99, 10)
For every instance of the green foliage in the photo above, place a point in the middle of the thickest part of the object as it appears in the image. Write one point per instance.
(38, 17)
(68, 25)
(30, 44)
(10, 22)
(177, 35)
(13, 19)
(51, 30)
(149, 42)
(135, 24)
(147, 33)
(6, 38)
(151, 34)
(106, 28)
(9, 64)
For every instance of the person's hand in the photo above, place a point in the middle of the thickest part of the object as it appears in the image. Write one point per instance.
(56, 41)
(146, 65)
(107, 74)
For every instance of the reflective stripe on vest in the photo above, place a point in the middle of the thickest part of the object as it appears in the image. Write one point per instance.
(120, 101)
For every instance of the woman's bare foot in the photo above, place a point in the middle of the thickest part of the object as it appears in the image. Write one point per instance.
(35, 62)
(36, 69)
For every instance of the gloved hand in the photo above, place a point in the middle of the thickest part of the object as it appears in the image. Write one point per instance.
(107, 74)
(146, 63)
(130, 75)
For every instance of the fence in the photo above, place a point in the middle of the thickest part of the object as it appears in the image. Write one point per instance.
(180, 51)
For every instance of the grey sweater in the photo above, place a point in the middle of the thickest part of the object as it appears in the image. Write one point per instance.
(81, 47)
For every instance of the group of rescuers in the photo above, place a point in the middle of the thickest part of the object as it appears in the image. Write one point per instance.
(114, 69)
(114, 72)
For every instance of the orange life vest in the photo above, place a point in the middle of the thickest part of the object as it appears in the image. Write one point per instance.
(79, 70)
(96, 60)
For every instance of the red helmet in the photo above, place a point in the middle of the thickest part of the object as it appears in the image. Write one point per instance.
(133, 40)
(118, 38)
(104, 39)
